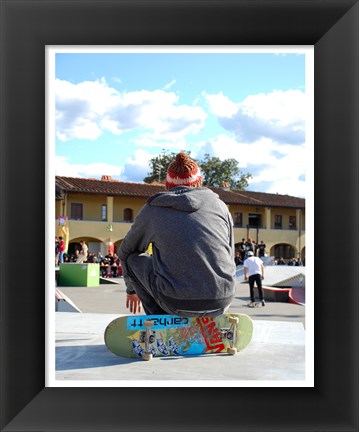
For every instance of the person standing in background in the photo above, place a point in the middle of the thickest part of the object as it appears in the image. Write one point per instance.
(83, 252)
(253, 270)
(61, 250)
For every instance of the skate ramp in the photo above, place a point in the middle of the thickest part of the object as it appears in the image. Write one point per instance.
(281, 283)
(279, 276)
(297, 296)
(285, 276)
(63, 303)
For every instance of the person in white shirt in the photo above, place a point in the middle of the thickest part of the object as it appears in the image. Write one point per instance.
(253, 270)
(83, 252)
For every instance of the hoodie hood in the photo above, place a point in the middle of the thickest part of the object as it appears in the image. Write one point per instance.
(181, 198)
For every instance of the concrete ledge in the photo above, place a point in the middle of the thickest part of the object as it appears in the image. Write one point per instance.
(292, 295)
(274, 294)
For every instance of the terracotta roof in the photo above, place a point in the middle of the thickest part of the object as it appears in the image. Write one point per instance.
(120, 188)
(108, 187)
(259, 199)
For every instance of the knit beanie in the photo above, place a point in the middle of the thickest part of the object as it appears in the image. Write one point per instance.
(183, 171)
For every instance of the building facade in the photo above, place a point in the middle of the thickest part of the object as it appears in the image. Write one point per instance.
(101, 213)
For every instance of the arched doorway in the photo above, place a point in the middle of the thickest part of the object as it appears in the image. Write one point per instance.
(283, 250)
(94, 245)
(117, 245)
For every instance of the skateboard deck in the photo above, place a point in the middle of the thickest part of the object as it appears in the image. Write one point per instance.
(148, 336)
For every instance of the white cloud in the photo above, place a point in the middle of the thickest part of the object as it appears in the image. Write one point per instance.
(280, 167)
(81, 128)
(285, 174)
(87, 109)
(160, 141)
(93, 170)
(267, 138)
(265, 133)
(220, 105)
(137, 167)
(169, 85)
(117, 80)
(278, 115)
(226, 147)
(282, 107)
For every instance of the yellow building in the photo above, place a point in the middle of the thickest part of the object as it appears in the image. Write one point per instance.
(101, 212)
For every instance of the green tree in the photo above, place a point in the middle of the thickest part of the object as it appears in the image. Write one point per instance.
(217, 173)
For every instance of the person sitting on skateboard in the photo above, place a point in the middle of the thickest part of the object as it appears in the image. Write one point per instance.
(191, 271)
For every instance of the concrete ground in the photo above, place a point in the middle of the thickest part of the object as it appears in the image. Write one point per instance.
(275, 356)
(111, 299)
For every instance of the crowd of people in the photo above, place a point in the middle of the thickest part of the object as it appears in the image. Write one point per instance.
(259, 250)
(249, 245)
(291, 262)
(110, 265)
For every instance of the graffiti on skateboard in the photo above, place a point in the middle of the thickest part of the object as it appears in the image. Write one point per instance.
(148, 336)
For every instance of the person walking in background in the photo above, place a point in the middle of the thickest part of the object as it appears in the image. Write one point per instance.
(253, 270)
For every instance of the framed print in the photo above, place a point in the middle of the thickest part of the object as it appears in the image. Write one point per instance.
(27, 28)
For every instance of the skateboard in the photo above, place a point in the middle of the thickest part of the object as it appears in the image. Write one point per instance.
(148, 336)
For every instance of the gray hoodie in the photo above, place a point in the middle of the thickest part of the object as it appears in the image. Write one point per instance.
(191, 231)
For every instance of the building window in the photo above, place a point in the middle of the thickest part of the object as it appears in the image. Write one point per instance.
(128, 215)
(292, 223)
(254, 220)
(76, 211)
(278, 221)
(104, 212)
(238, 220)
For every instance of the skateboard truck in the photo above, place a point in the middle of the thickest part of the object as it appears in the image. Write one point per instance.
(147, 337)
(230, 334)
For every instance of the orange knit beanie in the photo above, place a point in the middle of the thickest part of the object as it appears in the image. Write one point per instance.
(183, 171)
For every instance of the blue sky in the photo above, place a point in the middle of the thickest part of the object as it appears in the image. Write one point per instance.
(114, 111)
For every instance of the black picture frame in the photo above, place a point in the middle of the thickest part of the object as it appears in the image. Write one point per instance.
(26, 28)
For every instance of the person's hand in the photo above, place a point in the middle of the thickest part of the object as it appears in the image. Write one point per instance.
(245, 278)
(133, 303)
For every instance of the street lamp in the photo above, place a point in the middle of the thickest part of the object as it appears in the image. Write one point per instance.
(158, 170)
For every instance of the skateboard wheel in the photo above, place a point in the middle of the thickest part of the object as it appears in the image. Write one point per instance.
(233, 320)
(147, 356)
(231, 351)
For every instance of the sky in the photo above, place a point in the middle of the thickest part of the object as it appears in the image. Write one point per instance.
(114, 111)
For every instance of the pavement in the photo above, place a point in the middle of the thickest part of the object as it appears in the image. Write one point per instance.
(276, 355)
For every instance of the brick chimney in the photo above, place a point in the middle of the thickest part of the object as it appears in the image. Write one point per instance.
(225, 186)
